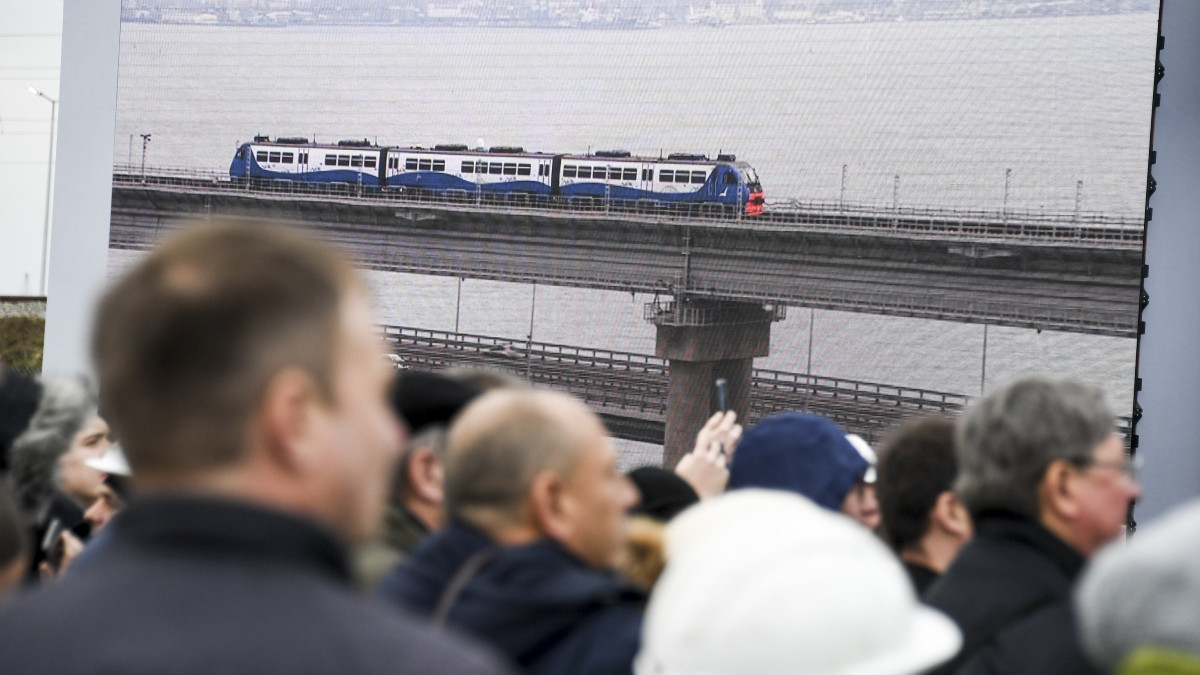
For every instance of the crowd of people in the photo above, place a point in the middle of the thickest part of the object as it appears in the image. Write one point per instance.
(252, 488)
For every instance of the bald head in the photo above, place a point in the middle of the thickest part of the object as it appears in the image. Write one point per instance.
(502, 441)
(527, 464)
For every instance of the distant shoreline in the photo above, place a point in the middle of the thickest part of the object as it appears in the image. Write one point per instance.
(715, 16)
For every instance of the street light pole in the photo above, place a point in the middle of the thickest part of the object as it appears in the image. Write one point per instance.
(145, 141)
(49, 176)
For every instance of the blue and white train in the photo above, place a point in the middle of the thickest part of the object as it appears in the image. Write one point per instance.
(678, 180)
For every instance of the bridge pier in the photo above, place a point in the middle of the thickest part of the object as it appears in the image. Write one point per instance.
(704, 340)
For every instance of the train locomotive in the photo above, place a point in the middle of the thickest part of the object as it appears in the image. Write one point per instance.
(678, 182)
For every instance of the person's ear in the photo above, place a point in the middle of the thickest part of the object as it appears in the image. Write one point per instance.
(286, 418)
(546, 505)
(1057, 490)
(426, 476)
(950, 514)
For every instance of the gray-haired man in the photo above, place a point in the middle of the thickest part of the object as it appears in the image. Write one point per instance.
(1047, 483)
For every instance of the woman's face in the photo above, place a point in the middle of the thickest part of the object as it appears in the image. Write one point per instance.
(76, 478)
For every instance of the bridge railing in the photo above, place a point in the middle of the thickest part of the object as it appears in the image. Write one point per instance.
(636, 384)
(967, 224)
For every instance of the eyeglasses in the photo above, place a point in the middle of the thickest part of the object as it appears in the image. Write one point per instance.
(1130, 466)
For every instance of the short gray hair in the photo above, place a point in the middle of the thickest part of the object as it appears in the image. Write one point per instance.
(1008, 439)
(67, 404)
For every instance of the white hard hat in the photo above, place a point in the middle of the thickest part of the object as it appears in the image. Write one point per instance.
(785, 588)
(868, 453)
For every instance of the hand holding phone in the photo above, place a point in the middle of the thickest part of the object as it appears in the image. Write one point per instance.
(52, 543)
(722, 395)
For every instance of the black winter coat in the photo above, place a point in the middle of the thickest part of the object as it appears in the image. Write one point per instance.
(537, 603)
(1009, 590)
(203, 586)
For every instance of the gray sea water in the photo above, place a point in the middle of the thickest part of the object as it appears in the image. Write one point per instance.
(950, 107)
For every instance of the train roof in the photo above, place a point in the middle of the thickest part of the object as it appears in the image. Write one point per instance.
(463, 149)
(473, 152)
(672, 159)
(304, 143)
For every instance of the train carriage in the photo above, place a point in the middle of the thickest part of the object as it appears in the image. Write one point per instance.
(295, 159)
(680, 179)
(455, 167)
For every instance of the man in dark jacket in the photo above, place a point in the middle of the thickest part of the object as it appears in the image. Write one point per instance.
(537, 511)
(1047, 483)
(240, 367)
(925, 523)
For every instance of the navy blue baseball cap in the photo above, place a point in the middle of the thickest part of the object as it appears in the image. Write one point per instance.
(801, 453)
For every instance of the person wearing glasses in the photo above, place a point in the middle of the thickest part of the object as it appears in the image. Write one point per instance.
(1047, 482)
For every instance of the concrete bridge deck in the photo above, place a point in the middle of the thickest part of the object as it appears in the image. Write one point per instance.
(1052, 274)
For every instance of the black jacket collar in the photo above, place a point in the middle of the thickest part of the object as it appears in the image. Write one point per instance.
(203, 525)
(1008, 526)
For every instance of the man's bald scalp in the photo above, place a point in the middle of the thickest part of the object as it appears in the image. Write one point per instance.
(501, 442)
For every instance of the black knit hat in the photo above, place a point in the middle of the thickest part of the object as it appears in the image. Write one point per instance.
(423, 399)
(664, 494)
(19, 397)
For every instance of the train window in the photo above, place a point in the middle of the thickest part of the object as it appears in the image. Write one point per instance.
(273, 157)
(468, 167)
(647, 174)
(330, 160)
(568, 171)
(699, 176)
(287, 157)
(356, 160)
(439, 165)
(730, 178)
(343, 160)
(585, 172)
(304, 158)
(510, 169)
(666, 176)
(369, 162)
(261, 155)
(410, 164)
(630, 174)
(522, 169)
(495, 168)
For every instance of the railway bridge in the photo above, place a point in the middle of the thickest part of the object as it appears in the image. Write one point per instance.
(722, 281)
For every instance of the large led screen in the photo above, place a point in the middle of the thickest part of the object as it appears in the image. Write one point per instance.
(868, 209)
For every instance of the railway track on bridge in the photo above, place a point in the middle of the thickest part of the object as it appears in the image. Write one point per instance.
(973, 225)
(629, 390)
(1006, 270)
